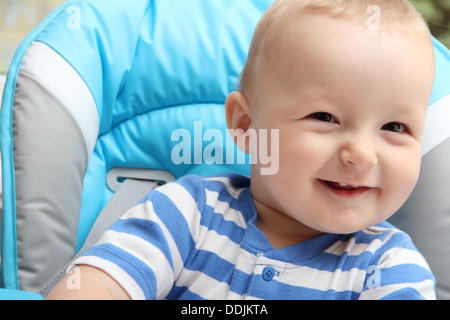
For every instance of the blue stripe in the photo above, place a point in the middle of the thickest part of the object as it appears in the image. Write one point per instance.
(191, 184)
(224, 196)
(246, 206)
(240, 282)
(183, 293)
(404, 294)
(174, 221)
(239, 285)
(237, 181)
(404, 273)
(215, 221)
(273, 290)
(331, 262)
(210, 264)
(147, 230)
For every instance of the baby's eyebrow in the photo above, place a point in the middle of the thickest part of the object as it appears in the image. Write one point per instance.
(410, 109)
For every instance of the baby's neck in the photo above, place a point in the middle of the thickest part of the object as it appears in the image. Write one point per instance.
(281, 230)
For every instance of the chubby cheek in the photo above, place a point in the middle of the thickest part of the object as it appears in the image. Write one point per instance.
(303, 151)
(400, 178)
(299, 161)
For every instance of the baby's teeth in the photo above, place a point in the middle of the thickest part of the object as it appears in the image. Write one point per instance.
(344, 185)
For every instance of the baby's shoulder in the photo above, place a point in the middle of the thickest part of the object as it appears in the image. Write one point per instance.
(230, 182)
(383, 237)
(206, 190)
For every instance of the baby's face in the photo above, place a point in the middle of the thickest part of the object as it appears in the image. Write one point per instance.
(350, 106)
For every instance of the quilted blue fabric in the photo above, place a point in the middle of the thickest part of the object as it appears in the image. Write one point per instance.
(154, 68)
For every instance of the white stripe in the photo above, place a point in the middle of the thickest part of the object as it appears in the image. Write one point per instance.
(234, 296)
(349, 247)
(235, 193)
(148, 254)
(377, 230)
(145, 211)
(223, 208)
(399, 256)
(323, 280)
(307, 277)
(425, 288)
(218, 244)
(127, 282)
(246, 262)
(185, 204)
(203, 285)
(356, 249)
(437, 129)
(46, 66)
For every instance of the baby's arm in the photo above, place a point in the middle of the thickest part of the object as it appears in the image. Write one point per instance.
(144, 251)
(94, 284)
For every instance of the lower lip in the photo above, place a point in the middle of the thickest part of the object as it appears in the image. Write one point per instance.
(348, 194)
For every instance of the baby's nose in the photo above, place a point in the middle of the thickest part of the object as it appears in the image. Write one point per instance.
(359, 154)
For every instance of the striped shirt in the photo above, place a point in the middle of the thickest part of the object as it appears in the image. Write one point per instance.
(196, 238)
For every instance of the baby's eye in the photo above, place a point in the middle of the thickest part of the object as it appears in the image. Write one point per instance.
(395, 127)
(323, 116)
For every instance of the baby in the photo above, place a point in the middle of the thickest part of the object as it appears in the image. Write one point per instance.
(346, 85)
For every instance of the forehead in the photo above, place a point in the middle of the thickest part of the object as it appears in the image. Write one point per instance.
(323, 51)
(314, 34)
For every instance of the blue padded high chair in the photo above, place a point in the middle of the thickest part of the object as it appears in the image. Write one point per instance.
(106, 90)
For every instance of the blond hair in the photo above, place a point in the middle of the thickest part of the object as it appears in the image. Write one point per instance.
(396, 16)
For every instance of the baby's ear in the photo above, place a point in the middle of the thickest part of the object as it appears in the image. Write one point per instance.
(237, 109)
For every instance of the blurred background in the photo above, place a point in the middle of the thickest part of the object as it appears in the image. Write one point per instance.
(17, 19)
(437, 13)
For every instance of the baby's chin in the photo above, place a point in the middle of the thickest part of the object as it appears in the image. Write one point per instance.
(346, 228)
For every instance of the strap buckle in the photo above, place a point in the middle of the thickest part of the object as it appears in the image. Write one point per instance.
(118, 175)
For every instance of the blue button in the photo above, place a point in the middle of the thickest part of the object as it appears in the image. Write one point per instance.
(268, 273)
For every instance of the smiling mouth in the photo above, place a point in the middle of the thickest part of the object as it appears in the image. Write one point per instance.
(345, 190)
